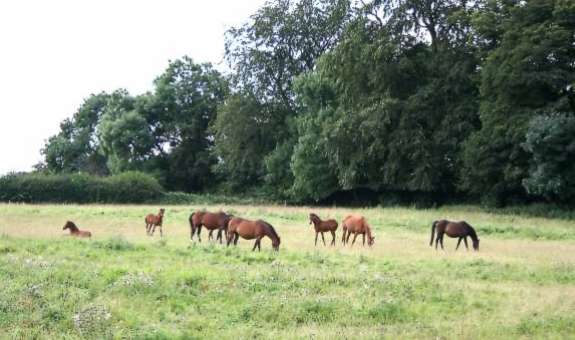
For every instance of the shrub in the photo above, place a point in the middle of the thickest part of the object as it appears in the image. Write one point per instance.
(129, 187)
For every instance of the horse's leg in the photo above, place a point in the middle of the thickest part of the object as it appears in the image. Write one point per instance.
(354, 237)
(230, 239)
(333, 238)
(458, 242)
(161, 231)
(323, 239)
(441, 241)
(465, 240)
(236, 239)
(199, 231)
(363, 237)
(348, 235)
(257, 244)
(219, 237)
(343, 237)
(437, 240)
(316, 235)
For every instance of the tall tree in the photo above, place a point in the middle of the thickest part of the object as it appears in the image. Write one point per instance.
(186, 99)
(530, 71)
(75, 147)
(282, 40)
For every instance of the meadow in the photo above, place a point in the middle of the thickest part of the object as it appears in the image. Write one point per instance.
(124, 284)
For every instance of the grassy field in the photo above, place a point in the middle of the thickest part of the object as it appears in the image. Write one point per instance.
(124, 284)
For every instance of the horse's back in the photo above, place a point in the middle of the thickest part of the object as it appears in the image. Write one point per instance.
(355, 222)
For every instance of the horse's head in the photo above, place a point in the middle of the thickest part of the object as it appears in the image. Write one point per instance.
(371, 241)
(476, 244)
(69, 225)
(276, 244)
(162, 212)
(313, 218)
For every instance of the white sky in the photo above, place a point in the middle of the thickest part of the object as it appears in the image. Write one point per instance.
(53, 54)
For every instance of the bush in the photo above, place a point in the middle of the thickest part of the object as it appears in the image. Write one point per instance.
(129, 187)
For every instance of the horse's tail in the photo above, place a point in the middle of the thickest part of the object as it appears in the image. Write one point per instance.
(191, 219)
(433, 225)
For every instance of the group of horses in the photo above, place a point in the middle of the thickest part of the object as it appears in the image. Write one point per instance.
(232, 228)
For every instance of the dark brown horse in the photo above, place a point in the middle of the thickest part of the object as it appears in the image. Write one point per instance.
(250, 230)
(212, 221)
(153, 221)
(356, 224)
(323, 226)
(74, 231)
(453, 229)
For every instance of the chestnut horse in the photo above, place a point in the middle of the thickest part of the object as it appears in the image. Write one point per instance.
(323, 226)
(356, 224)
(153, 221)
(250, 230)
(453, 229)
(74, 231)
(212, 221)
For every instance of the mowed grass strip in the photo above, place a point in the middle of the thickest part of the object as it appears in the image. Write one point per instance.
(124, 284)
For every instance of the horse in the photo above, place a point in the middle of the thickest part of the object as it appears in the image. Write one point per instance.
(74, 231)
(153, 221)
(323, 226)
(212, 221)
(453, 229)
(250, 230)
(356, 224)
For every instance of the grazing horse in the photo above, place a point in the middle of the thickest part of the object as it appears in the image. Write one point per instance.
(153, 221)
(453, 229)
(250, 230)
(356, 224)
(323, 226)
(212, 221)
(74, 231)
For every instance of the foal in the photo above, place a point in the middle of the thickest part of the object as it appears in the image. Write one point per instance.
(153, 221)
(453, 229)
(74, 231)
(323, 226)
(356, 224)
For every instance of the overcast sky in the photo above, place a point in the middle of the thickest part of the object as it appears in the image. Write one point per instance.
(53, 54)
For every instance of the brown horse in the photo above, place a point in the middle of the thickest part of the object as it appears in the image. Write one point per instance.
(74, 231)
(212, 221)
(250, 230)
(453, 229)
(323, 226)
(153, 221)
(356, 224)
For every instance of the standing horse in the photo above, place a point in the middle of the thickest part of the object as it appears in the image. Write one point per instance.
(323, 226)
(453, 229)
(153, 221)
(212, 221)
(74, 231)
(356, 224)
(250, 230)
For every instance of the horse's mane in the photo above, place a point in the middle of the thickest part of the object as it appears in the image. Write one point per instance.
(472, 232)
(272, 230)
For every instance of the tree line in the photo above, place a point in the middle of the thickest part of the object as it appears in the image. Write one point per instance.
(408, 99)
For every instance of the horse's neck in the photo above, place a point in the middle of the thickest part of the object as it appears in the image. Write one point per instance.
(270, 232)
(368, 230)
(472, 233)
(74, 230)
